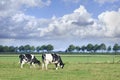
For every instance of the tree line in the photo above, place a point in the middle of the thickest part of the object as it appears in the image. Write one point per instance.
(93, 48)
(71, 48)
(27, 48)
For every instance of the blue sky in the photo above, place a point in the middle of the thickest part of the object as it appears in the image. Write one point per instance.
(59, 22)
(61, 7)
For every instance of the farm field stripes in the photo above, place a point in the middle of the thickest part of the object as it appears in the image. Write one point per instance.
(81, 67)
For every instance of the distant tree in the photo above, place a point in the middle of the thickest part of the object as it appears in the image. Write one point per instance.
(89, 47)
(27, 48)
(83, 48)
(49, 47)
(32, 48)
(5, 49)
(109, 48)
(21, 48)
(1, 48)
(11, 49)
(71, 48)
(116, 47)
(77, 48)
(95, 47)
(43, 48)
(38, 48)
(16, 49)
(103, 47)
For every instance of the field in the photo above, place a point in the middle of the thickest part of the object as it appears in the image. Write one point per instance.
(77, 67)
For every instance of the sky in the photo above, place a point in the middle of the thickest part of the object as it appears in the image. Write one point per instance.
(59, 22)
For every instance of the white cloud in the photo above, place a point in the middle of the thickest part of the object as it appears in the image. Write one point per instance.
(15, 24)
(10, 7)
(78, 24)
(70, 25)
(35, 3)
(21, 26)
(81, 24)
(110, 20)
(104, 1)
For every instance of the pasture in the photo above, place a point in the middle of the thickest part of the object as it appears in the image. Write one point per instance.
(77, 67)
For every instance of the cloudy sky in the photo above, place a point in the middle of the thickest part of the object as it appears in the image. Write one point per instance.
(59, 22)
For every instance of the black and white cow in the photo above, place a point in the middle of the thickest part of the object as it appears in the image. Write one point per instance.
(51, 58)
(28, 58)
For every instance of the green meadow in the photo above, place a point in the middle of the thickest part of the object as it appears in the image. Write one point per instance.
(77, 67)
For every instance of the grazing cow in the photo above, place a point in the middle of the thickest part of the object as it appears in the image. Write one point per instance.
(28, 58)
(52, 58)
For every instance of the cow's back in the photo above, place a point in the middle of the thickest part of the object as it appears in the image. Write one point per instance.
(47, 57)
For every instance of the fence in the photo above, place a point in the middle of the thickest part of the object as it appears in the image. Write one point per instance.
(92, 58)
(67, 58)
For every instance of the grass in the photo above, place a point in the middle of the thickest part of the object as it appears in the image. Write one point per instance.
(76, 68)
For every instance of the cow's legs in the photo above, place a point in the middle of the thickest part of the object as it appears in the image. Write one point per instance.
(46, 64)
(43, 66)
(22, 64)
(33, 65)
(30, 64)
(56, 65)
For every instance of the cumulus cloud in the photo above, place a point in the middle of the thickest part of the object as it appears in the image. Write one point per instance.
(110, 20)
(78, 24)
(15, 24)
(70, 25)
(21, 26)
(28, 3)
(9, 7)
(81, 24)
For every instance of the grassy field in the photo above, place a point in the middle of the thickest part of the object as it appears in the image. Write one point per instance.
(77, 67)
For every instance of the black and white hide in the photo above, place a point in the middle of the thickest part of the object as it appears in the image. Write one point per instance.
(28, 58)
(51, 58)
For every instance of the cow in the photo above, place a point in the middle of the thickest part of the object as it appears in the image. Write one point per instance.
(28, 58)
(52, 58)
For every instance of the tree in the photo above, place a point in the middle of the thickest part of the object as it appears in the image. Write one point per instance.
(71, 48)
(32, 48)
(116, 47)
(21, 48)
(27, 48)
(109, 48)
(1, 48)
(43, 47)
(95, 47)
(83, 48)
(5, 49)
(38, 48)
(89, 47)
(49, 47)
(11, 49)
(77, 48)
(16, 49)
(103, 47)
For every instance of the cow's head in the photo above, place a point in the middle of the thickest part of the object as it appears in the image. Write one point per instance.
(62, 65)
(21, 57)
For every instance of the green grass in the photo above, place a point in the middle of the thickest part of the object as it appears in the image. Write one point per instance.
(76, 68)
